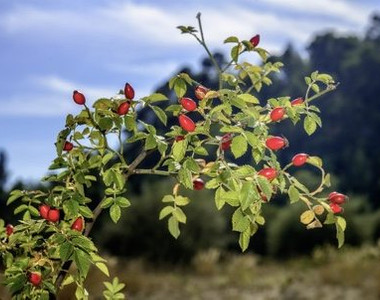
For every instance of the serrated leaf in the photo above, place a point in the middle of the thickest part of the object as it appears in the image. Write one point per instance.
(244, 239)
(307, 216)
(14, 196)
(315, 161)
(106, 158)
(173, 227)
(219, 200)
(65, 251)
(249, 98)
(293, 193)
(103, 267)
(181, 201)
(265, 186)
(168, 198)
(240, 222)
(185, 178)
(167, 210)
(179, 215)
(231, 39)
(115, 213)
(82, 261)
(309, 125)
(235, 53)
(239, 146)
(180, 87)
(160, 114)
(341, 222)
(179, 150)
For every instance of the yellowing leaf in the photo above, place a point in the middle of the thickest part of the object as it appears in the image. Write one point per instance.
(307, 217)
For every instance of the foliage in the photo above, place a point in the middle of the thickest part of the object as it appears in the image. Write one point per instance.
(230, 118)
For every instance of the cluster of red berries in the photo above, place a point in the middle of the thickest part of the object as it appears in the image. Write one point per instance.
(189, 104)
(336, 200)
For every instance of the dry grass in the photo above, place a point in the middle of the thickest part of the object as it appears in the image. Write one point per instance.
(329, 274)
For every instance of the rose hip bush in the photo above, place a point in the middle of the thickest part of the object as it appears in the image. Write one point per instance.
(54, 228)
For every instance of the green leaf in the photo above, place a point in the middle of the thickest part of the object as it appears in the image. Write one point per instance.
(160, 114)
(106, 158)
(173, 227)
(168, 198)
(181, 201)
(179, 150)
(105, 123)
(235, 53)
(122, 202)
(315, 161)
(86, 212)
(82, 261)
(231, 39)
(167, 210)
(294, 194)
(219, 200)
(180, 87)
(249, 98)
(103, 267)
(309, 125)
(156, 97)
(185, 178)
(265, 186)
(341, 222)
(179, 215)
(150, 142)
(239, 146)
(115, 213)
(14, 196)
(244, 239)
(240, 222)
(339, 234)
(65, 251)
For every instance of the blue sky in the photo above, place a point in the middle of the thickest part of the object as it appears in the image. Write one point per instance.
(50, 48)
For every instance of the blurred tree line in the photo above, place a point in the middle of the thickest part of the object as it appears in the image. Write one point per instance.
(348, 143)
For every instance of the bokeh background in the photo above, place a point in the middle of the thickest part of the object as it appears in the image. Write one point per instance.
(48, 49)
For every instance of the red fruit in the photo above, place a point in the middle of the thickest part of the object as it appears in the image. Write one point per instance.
(277, 114)
(129, 92)
(276, 143)
(226, 141)
(336, 209)
(337, 198)
(186, 123)
(299, 159)
(200, 92)
(179, 138)
(198, 184)
(188, 104)
(68, 146)
(78, 224)
(53, 215)
(79, 98)
(297, 101)
(9, 229)
(255, 40)
(123, 108)
(269, 173)
(44, 211)
(35, 278)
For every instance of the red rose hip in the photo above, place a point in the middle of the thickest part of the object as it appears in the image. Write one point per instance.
(79, 98)
(269, 173)
(198, 184)
(336, 208)
(255, 40)
(337, 198)
(276, 143)
(53, 215)
(9, 229)
(186, 123)
(68, 146)
(129, 92)
(78, 224)
(179, 138)
(123, 108)
(277, 114)
(200, 92)
(35, 278)
(226, 141)
(297, 101)
(188, 104)
(299, 159)
(44, 211)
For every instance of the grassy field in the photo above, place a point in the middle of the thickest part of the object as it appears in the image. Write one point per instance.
(327, 274)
